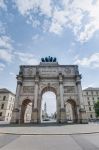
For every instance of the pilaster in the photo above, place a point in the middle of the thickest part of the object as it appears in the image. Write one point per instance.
(16, 111)
(62, 109)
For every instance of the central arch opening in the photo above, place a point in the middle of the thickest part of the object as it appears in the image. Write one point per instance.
(48, 107)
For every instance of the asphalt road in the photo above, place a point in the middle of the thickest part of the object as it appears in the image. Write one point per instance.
(49, 142)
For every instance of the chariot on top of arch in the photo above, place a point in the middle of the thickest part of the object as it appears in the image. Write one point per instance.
(49, 59)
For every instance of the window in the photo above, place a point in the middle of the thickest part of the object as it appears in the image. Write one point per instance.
(87, 98)
(9, 106)
(88, 103)
(0, 113)
(4, 97)
(97, 93)
(90, 108)
(93, 98)
(92, 92)
(2, 106)
(87, 93)
(12, 107)
(98, 98)
(90, 115)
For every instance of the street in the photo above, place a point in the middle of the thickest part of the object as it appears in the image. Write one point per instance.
(49, 137)
(50, 142)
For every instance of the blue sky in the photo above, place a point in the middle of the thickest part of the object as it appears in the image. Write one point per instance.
(66, 29)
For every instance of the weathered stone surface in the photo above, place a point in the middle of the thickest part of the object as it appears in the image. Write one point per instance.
(63, 80)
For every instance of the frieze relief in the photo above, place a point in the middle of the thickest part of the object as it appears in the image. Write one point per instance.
(29, 71)
(67, 71)
(28, 89)
(69, 89)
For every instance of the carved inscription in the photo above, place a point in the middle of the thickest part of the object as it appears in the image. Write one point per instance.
(46, 71)
(69, 89)
(28, 89)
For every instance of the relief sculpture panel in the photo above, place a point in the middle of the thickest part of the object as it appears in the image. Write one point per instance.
(28, 89)
(69, 89)
(29, 71)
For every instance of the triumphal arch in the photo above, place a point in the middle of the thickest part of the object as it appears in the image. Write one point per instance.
(33, 81)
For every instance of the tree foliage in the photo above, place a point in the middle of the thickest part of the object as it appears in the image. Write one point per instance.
(96, 106)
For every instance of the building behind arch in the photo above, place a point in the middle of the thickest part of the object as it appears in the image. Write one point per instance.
(7, 99)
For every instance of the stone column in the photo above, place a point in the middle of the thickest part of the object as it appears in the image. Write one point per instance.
(36, 93)
(82, 113)
(19, 84)
(79, 89)
(34, 117)
(62, 109)
(17, 110)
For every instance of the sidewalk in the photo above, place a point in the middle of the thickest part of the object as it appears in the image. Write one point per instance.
(50, 130)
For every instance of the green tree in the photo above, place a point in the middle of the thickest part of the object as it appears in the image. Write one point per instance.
(96, 107)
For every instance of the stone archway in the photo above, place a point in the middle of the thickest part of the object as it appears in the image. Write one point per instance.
(71, 111)
(43, 91)
(63, 80)
(24, 105)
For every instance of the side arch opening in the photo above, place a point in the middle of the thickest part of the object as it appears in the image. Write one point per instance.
(71, 111)
(26, 110)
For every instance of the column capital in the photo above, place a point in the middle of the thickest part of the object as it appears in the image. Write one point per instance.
(60, 81)
(78, 79)
(19, 82)
(78, 82)
(19, 77)
(36, 80)
(60, 78)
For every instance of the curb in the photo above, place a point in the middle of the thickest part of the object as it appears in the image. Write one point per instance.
(37, 134)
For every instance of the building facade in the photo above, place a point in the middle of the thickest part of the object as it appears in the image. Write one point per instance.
(7, 99)
(90, 96)
(34, 81)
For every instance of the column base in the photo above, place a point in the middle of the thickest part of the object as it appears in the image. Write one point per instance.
(15, 116)
(62, 115)
(83, 115)
(34, 118)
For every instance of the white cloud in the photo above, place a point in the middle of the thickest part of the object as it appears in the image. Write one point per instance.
(13, 74)
(6, 49)
(6, 42)
(2, 4)
(27, 5)
(91, 61)
(6, 55)
(2, 28)
(2, 66)
(26, 58)
(35, 37)
(82, 17)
